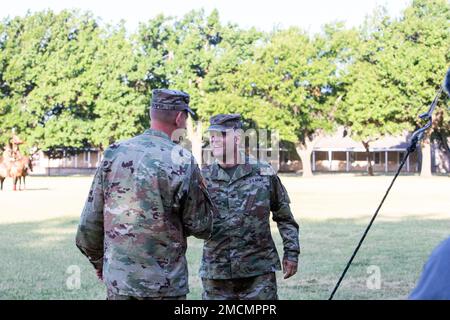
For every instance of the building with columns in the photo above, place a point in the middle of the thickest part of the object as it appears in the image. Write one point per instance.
(346, 155)
(336, 153)
(339, 153)
(81, 163)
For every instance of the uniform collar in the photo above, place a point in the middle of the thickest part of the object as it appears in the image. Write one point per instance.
(157, 133)
(220, 174)
(242, 171)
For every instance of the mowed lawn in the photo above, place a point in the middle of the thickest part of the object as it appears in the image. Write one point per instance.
(39, 257)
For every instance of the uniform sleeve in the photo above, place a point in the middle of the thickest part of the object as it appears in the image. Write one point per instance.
(196, 206)
(282, 215)
(89, 238)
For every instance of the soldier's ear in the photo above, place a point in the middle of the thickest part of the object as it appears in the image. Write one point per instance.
(180, 118)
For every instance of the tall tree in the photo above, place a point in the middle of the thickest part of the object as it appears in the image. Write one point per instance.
(46, 58)
(291, 84)
(421, 40)
(371, 104)
(121, 99)
(397, 70)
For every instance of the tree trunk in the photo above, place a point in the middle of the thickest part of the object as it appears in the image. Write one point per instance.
(305, 149)
(441, 129)
(369, 160)
(425, 170)
(305, 156)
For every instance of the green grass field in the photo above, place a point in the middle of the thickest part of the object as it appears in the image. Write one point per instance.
(37, 229)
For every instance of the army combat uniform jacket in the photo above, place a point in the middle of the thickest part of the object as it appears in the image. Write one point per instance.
(241, 244)
(146, 198)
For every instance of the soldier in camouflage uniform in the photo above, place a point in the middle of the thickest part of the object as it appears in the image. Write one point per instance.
(240, 259)
(147, 196)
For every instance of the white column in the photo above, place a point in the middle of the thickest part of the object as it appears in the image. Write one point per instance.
(347, 165)
(407, 164)
(89, 159)
(76, 160)
(313, 161)
(98, 159)
(386, 167)
(330, 159)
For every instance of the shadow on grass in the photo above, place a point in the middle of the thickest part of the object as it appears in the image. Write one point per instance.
(24, 190)
(36, 189)
(36, 258)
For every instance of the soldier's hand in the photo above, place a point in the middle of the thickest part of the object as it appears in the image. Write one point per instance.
(289, 268)
(99, 273)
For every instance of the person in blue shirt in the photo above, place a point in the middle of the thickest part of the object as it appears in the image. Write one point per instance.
(434, 283)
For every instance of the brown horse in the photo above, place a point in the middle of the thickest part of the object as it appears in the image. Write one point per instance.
(19, 170)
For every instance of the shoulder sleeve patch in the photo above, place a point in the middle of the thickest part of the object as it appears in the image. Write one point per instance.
(266, 171)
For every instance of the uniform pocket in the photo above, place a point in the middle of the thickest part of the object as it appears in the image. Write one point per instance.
(249, 203)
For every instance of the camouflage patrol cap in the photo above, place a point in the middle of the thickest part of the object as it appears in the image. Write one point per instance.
(224, 122)
(165, 99)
